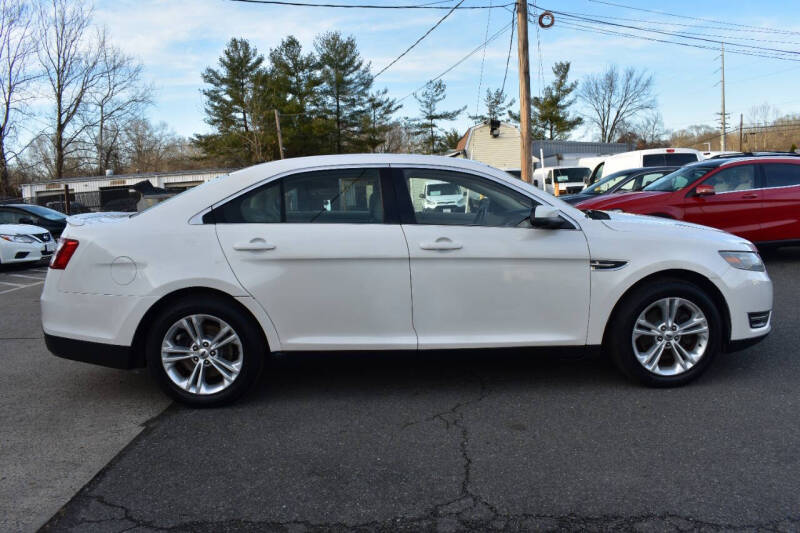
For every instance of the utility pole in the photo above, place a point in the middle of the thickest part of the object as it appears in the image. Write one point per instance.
(724, 125)
(526, 152)
(280, 137)
(741, 123)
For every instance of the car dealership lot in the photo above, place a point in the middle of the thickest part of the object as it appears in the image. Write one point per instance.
(478, 440)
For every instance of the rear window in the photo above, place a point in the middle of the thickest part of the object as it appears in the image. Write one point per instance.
(664, 160)
(563, 175)
(782, 175)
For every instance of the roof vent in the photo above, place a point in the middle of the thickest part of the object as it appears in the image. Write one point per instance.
(494, 128)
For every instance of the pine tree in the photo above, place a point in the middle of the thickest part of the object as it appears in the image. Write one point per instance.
(378, 119)
(343, 91)
(229, 105)
(426, 125)
(551, 111)
(496, 106)
(294, 82)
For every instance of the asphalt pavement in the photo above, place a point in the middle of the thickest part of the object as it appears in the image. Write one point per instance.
(477, 441)
(60, 421)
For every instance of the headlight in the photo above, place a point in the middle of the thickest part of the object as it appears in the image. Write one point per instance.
(744, 260)
(17, 238)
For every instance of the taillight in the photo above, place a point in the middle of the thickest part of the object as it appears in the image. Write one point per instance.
(66, 247)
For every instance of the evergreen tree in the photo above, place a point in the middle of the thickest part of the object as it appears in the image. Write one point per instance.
(496, 106)
(294, 81)
(426, 125)
(551, 111)
(343, 91)
(378, 119)
(230, 105)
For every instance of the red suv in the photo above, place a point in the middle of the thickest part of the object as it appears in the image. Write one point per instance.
(755, 198)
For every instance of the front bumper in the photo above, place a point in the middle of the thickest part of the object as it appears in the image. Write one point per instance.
(20, 252)
(96, 353)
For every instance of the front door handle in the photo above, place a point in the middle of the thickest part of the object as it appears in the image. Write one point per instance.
(255, 245)
(442, 243)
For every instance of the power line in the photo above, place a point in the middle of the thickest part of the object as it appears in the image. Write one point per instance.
(384, 69)
(687, 17)
(672, 34)
(364, 6)
(457, 63)
(601, 31)
(510, 44)
(655, 39)
(483, 61)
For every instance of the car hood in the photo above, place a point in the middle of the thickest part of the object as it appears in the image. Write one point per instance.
(655, 228)
(21, 229)
(619, 200)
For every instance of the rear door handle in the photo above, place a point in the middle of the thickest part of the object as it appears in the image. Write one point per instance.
(255, 245)
(442, 243)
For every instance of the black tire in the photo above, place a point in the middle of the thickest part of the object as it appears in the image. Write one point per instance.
(254, 348)
(619, 342)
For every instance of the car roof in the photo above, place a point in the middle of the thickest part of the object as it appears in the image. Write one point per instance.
(786, 158)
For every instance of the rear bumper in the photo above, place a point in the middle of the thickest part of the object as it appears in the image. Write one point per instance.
(96, 353)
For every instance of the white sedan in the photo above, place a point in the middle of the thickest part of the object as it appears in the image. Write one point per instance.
(338, 253)
(22, 243)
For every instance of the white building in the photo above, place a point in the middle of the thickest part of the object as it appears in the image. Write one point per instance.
(496, 144)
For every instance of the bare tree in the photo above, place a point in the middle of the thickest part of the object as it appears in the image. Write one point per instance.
(17, 47)
(69, 60)
(118, 98)
(615, 98)
(650, 130)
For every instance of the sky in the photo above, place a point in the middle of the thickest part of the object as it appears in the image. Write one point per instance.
(177, 39)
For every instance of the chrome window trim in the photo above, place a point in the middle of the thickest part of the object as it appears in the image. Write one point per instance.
(199, 215)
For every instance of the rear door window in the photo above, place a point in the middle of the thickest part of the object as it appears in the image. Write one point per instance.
(781, 175)
(344, 196)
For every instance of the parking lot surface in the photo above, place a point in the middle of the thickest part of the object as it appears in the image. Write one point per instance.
(60, 422)
(492, 440)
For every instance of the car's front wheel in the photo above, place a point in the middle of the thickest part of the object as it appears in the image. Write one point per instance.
(205, 351)
(665, 333)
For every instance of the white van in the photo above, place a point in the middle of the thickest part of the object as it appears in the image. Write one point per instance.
(654, 157)
(570, 180)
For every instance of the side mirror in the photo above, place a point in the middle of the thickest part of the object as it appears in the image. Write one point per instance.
(422, 195)
(704, 190)
(26, 220)
(546, 217)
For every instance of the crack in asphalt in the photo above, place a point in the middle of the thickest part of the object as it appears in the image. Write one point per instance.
(467, 512)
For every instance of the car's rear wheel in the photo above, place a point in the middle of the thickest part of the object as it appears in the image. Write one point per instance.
(205, 351)
(665, 333)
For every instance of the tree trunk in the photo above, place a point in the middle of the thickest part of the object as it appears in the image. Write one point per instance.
(58, 145)
(5, 179)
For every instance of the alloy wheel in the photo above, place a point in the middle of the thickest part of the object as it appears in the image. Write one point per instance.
(202, 354)
(670, 336)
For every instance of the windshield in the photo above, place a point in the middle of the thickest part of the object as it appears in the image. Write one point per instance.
(443, 189)
(606, 183)
(680, 178)
(563, 175)
(45, 212)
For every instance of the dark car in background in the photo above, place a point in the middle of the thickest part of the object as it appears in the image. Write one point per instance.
(631, 180)
(36, 215)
